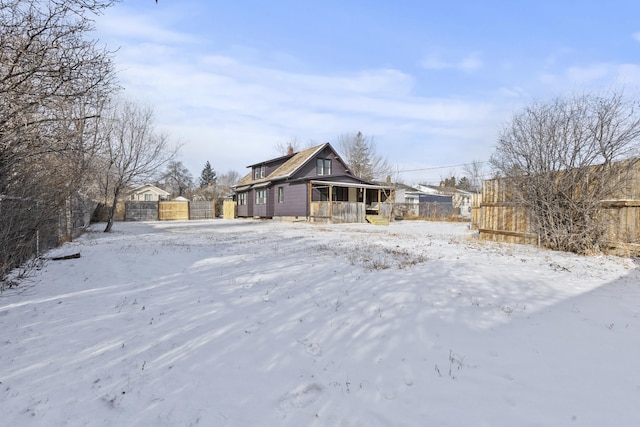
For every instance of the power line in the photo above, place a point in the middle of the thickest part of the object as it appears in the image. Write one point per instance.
(440, 167)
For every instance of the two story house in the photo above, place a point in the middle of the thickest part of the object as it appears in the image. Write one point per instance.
(314, 184)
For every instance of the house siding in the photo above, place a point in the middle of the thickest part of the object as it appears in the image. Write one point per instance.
(295, 200)
(246, 210)
(259, 210)
(309, 170)
(271, 200)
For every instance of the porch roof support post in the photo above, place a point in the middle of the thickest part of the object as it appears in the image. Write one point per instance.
(331, 203)
(310, 200)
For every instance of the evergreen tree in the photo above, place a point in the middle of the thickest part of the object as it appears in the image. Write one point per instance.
(208, 176)
(449, 182)
(464, 184)
(360, 154)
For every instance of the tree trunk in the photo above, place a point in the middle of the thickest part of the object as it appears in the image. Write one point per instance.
(112, 211)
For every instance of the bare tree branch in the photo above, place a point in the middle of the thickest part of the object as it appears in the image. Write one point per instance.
(134, 152)
(564, 157)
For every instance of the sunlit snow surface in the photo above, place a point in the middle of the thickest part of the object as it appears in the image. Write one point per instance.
(264, 323)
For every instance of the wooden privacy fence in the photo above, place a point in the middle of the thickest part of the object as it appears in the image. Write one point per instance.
(168, 210)
(623, 224)
(140, 211)
(173, 211)
(229, 209)
(497, 217)
(202, 209)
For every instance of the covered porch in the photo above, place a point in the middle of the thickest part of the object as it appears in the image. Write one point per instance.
(342, 202)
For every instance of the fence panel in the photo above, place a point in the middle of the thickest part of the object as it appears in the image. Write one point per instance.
(229, 209)
(202, 209)
(476, 200)
(173, 211)
(141, 211)
(347, 212)
(435, 210)
(338, 212)
(26, 231)
(506, 222)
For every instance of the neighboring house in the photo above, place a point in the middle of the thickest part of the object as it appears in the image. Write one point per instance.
(414, 202)
(315, 184)
(148, 193)
(461, 200)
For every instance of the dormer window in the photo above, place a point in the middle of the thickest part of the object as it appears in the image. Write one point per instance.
(323, 167)
(259, 172)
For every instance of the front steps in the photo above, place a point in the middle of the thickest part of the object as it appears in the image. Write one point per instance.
(377, 220)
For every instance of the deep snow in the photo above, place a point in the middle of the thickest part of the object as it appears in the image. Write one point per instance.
(260, 323)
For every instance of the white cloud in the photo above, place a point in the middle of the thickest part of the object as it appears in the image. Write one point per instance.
(636, 36)
(588, 74)
(434, 63)
(118, 24)
(233, 109)
(513, 92)
(629, 74)
(591, 77)
(238, 112)
(469, 63)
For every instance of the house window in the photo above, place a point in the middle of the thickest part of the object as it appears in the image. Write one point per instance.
(148, 197)
(242, 199)
(259, 172)
(280, 194)
(323, 167)
(340, 194)
(261, 196)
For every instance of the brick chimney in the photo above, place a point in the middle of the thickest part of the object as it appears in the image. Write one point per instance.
(289, 150)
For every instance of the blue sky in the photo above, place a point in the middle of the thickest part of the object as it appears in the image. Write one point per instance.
(432, 82)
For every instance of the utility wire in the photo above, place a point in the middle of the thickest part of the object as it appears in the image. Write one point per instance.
(439, 167)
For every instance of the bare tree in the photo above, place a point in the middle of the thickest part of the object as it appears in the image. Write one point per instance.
(475, 173)
(360, 154)
(562, 158)
(293, 144)
(177, 179)
(134, 152)
(228, 179)
(53, 78)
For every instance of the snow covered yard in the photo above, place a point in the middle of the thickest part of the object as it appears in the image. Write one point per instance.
(249, 323)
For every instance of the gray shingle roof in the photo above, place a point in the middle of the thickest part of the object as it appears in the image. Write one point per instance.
(287, 169)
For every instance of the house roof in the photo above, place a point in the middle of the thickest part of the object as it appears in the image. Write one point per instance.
(286, 170)
(400, 186)
(152, 187)
(440, 189)
(351, 184)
